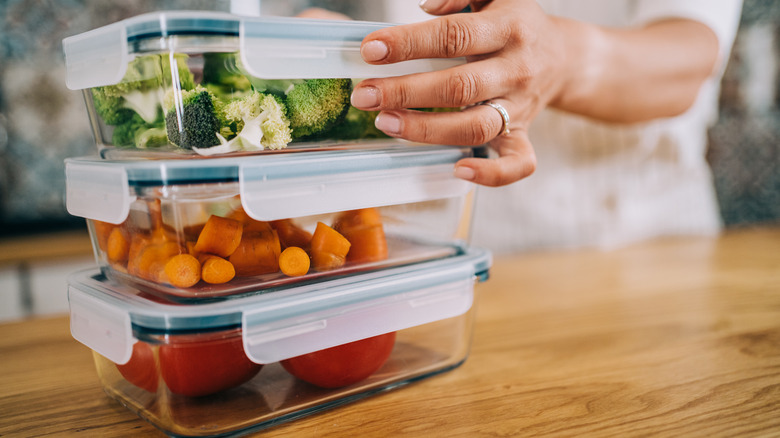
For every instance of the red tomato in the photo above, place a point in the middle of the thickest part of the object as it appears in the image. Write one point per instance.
(344, 364)
(200, 366)
(141, 369)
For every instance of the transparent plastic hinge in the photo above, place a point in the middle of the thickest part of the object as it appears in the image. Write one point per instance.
(100, 326)
(97, 192)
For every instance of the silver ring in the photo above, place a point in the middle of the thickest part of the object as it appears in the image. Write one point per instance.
(502, 111)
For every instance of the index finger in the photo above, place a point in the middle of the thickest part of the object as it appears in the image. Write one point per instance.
(451, 36)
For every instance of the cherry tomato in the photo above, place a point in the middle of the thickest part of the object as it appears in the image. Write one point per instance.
(200, 365)
(344, 364)
(141, 369)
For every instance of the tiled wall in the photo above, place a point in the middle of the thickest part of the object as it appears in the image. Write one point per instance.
(42, 123)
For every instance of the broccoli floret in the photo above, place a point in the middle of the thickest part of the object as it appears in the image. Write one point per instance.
(137, 132)
(151, 137)
(154, 71)
(312, 105)
(110, 108)
(124, 134)
(141, 89)
(358, 124)
(222, 77)
(279, 87)
(258, 121)
(200, 117)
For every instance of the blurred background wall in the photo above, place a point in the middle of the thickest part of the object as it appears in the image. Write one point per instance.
(744, 149)
(42, 123)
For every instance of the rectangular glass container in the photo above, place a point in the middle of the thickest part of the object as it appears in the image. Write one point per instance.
(181, 84)
(244, 364)
(229, 222)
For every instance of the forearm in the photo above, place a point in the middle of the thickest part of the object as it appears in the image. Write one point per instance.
(634, 75)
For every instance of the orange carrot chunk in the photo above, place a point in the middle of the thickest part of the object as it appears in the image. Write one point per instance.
(220, 236)
(328, 248)
(216, 270)
(117, 246)
(102, 231)
(358, 218)
(137, 244)
(257, 253)
(368, 244)
(290, 234)
(182, 270)
(294, 262)
(249, 224)
(363, 228)
(150, 262)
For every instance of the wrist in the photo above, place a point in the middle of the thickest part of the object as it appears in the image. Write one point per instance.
(584, 58)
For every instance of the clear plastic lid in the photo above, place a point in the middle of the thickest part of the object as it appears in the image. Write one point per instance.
(276, 186)
(109, 317)
(270, 47)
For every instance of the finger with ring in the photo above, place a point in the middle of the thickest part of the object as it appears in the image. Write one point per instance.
(502, 111)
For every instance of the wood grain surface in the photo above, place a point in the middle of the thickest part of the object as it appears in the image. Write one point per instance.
(44, 246)
(675, 337)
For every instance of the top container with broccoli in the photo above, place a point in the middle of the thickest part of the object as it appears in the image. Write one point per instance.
(194, 84)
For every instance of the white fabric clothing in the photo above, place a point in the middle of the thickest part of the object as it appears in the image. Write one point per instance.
(607, 185)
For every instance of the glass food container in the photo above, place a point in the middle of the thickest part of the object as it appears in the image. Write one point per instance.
(247, 363)
(190, 230)
(184, 84)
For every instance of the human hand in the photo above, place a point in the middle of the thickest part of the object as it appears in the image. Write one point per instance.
(515, 59)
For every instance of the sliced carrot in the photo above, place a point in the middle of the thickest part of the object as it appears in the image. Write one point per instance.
(358, 218)
(257, 253)
(290, 234)
(239, 214)
(216, 270)
(148, 251)
(117, 246)
(249, 224)
(191, 250)
(220, 236)
(363, 228)
(137, 244)
(152, 259)
(328, 248)
(368, 244)
(191, 232)
(294, 261)
(257, 226)
(102, 230)
(159, 234)
(182, 270)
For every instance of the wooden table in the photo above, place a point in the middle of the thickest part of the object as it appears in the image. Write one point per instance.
(45, 246)
(675, 337)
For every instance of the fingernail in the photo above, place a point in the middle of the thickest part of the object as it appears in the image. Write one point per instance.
(374, 51)
(464, 172)
(388, 123)
(430, 5)
(366, 97)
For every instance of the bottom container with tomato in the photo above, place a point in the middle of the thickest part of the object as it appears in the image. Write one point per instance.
(245, 363)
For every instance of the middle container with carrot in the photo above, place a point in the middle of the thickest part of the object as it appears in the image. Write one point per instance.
(207, 229)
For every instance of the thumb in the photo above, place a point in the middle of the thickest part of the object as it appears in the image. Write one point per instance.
(516, 160)
(443, 7)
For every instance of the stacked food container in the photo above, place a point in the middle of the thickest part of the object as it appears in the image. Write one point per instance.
(264, 252)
